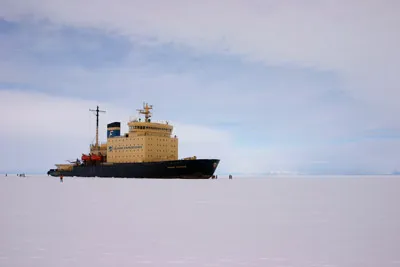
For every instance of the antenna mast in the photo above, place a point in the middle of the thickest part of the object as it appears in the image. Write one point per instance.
(146, 111)
(97, 124)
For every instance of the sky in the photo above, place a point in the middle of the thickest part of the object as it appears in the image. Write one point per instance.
(266, 86)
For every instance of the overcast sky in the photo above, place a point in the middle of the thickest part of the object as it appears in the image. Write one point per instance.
(308, 86)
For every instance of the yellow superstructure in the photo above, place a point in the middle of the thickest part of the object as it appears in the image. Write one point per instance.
(146, 141)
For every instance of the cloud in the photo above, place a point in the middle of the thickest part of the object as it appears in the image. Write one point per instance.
(276, 102)
(356, 39)
(357, 42)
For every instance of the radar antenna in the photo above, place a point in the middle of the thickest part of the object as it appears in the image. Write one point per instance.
(146, 111)
(97, 124)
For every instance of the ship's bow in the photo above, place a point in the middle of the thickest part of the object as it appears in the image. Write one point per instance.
(198, 169)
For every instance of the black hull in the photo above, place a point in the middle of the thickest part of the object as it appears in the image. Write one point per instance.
(177, 169)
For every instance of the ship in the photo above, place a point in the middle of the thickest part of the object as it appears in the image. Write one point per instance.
(148, 150)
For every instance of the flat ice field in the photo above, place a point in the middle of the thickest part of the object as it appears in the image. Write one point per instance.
(275, 221)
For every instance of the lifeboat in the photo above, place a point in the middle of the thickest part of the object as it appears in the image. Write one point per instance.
(95, 157)
(85, 157)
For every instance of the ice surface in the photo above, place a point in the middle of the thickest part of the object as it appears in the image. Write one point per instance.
(269, 222)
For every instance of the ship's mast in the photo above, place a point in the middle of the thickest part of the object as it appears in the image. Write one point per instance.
(146, 111)
(97, 124)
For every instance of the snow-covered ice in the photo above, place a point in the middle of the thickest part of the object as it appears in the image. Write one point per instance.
(269, 222)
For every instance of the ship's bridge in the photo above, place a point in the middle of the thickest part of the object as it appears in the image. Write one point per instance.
(137, 127)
